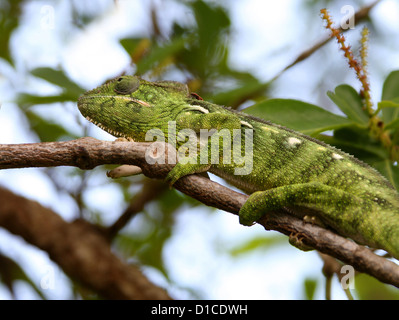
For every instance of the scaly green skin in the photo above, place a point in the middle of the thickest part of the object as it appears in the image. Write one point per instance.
(291, 171)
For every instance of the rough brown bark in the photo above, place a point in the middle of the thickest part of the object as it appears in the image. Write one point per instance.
(79, 248)
(87, 153)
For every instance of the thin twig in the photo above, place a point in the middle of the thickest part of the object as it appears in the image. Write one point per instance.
(360, 15)
(150, 191)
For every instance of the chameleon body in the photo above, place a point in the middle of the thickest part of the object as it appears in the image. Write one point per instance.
(290, 171)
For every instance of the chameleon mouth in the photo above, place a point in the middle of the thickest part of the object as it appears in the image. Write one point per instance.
(110, 131)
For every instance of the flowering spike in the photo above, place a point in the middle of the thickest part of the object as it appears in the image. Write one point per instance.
(359, 67)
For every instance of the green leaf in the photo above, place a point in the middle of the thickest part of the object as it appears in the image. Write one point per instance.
(10, 272)
(383, 105)
(390, 91)
(10, 12)
(136, 47)
(257, 243)
(298, 115)
(213, 24)
(390, 88)
(59, 78)
(369, 288)
(46, 130)
(394, 103)
(71, 91)
(211, 21)
(349, 102)
(310, 286)
(240, 94)
(27, 100)
(392, 125)
(388, 170)
(158, 54)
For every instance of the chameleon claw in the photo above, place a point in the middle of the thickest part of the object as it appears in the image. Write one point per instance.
(296, 240)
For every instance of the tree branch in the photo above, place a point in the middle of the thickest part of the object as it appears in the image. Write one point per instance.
(79, 248)
(86, 153)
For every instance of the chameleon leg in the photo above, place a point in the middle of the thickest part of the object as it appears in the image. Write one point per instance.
(191, 165)
(181, 170)
(296, 241)
(313, 195)
(197, 122)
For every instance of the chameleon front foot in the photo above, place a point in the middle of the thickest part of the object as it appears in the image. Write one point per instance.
(181, 170)
(253, 209)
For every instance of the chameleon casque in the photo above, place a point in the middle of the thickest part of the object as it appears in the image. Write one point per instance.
(290, 170)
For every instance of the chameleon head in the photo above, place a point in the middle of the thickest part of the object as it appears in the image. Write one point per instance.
(129, 106)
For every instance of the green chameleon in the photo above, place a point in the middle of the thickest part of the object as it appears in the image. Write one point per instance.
(288, 170)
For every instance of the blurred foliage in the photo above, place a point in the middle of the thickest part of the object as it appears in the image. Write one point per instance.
(197, 53)
(258, 243)
(368, 288)
(298, 115)
(309, 286)
(10, 12)
(10, 272)
(70, 90)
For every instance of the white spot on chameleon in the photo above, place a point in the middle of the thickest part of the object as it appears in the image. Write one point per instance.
(292, 141)
(321, 148)
(244, 123)
(337, 156)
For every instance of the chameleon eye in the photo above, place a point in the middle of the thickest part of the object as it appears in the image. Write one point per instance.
(126, 85)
